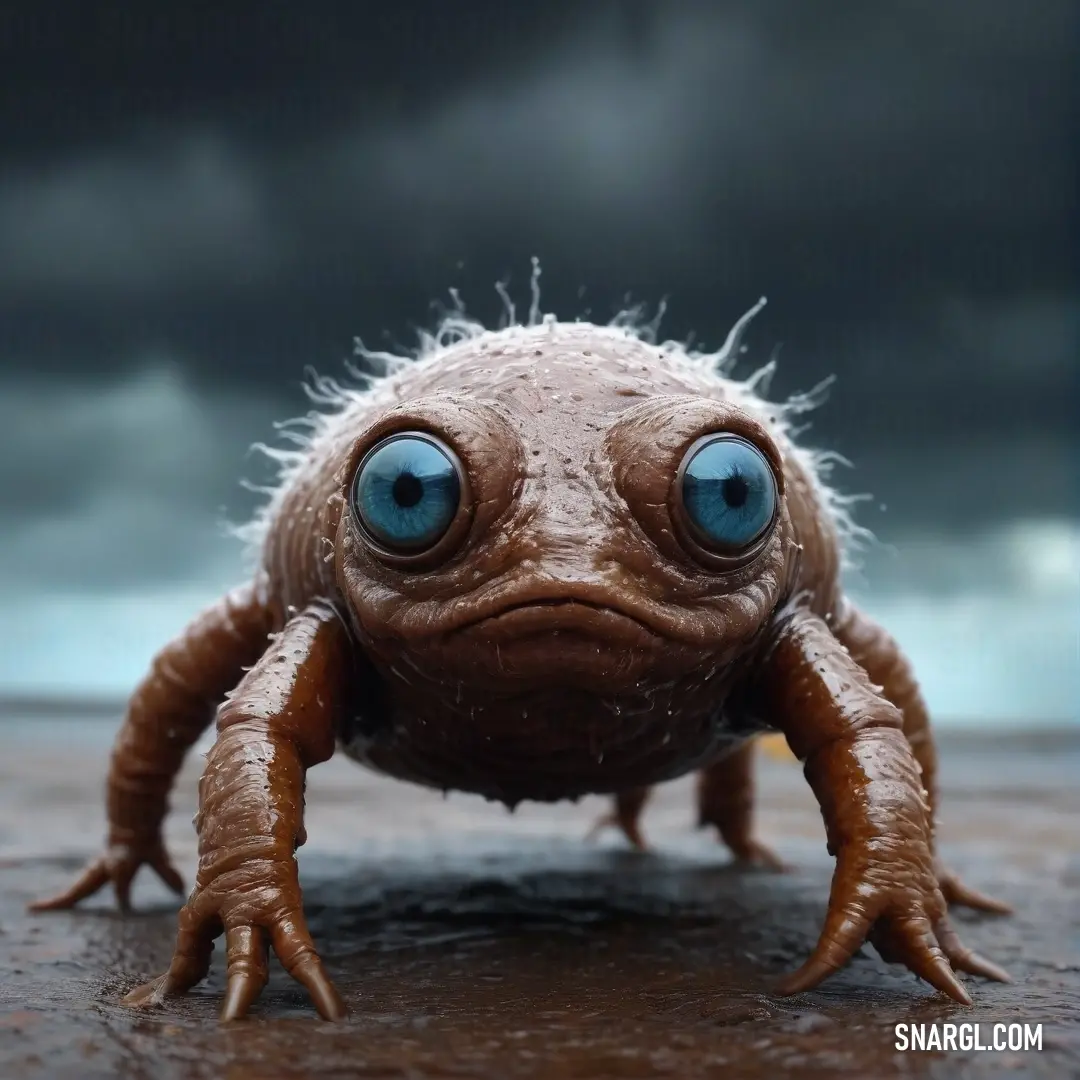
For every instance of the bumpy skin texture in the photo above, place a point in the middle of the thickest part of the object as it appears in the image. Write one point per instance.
(567, 636)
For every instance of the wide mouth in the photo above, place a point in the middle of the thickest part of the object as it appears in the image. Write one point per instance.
(566, 617)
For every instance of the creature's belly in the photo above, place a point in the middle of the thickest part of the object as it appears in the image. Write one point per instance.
(561, 745)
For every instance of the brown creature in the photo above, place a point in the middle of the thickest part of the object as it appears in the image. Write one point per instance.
(536, 563)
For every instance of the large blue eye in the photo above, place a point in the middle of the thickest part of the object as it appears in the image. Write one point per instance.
(728, 492)
(407, 492)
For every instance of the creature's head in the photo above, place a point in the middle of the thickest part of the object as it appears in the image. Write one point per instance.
(561, 505)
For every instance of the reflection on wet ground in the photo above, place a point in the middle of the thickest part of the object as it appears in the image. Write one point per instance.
(469, 943)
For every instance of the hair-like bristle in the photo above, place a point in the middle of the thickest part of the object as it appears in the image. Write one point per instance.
(373, 384)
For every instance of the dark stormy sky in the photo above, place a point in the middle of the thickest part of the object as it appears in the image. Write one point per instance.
(194, 208)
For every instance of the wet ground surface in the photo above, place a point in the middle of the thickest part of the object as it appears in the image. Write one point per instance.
(469, 943)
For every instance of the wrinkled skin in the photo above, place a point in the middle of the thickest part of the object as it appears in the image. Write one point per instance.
(568, 635)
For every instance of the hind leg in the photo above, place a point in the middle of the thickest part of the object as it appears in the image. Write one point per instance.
(725, 798)
(878, 654)
(625, 816)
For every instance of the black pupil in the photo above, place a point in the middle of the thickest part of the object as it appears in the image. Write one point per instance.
(408, 490)
(735, 491)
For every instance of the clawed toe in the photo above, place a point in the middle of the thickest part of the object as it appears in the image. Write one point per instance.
(964, 959)
(148, 995)
(909, 940)
(957, 894)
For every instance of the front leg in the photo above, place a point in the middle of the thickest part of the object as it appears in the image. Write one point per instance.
(277, 724)
(877, 815)
(878, 654)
